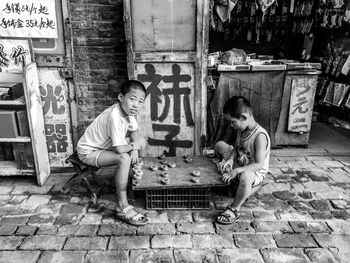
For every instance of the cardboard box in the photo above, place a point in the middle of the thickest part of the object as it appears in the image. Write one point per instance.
(23, 125)
(8, 124)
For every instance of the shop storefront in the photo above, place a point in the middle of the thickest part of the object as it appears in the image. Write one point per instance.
(289, 58)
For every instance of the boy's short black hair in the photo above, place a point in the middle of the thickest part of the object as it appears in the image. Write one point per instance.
(135, 84)
(237, 105)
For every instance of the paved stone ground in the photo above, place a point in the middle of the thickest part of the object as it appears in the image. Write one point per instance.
(302, 214)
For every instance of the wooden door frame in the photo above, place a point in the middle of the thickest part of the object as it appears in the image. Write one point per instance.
(198, 57)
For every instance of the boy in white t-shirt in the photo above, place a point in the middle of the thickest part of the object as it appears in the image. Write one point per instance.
(104, 144)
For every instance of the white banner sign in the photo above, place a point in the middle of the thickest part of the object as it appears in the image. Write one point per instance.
(301, 104)
(28, 18)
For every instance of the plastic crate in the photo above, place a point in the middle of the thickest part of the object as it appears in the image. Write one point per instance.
(185, 198)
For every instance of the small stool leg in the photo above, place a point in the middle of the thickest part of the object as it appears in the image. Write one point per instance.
(94, 196)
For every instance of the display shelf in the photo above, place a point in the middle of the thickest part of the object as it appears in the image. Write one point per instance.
(16, 139)
(18, 102)
(30, 105)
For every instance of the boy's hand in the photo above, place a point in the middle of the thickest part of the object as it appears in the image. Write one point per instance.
(134, 154)
(228, 177)
(135, 146)
(227, 166)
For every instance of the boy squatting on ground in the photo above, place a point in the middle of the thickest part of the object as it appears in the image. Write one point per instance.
(248, 159)
(104, 144)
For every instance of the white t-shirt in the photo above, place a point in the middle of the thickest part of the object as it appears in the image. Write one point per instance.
(108, 130)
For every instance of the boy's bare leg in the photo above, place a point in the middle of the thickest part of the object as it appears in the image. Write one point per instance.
(108, 158)
(246, 181)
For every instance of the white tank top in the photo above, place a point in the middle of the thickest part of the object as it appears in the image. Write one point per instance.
(246, 146)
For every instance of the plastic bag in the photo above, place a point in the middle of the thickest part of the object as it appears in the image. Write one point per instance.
(233, 57)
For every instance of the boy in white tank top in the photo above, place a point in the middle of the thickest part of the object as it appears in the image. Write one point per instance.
(247, 160)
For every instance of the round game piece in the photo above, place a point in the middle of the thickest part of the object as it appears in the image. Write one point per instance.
(165, 181)
(154, 168)
(189, 160)
(136, 167)
(135, 183)
(216, 160)
(195, 180)
(196, 173)
(161, 157)
(172, 165)
(164, 162)
(211, 155)
(164, 174)
(137, 175)
(164, 167)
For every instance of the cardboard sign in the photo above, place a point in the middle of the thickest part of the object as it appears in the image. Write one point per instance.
(56, 110)
(301, 104)
(14, 55)
(167, 117)
(28, 18)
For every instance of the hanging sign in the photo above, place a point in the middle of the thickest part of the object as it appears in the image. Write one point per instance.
(28, 18)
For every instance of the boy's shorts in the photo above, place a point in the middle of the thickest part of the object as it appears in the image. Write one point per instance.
(91, 158)
(259, 177)
(227, 149)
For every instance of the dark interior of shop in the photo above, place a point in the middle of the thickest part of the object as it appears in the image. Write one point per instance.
(304, 31)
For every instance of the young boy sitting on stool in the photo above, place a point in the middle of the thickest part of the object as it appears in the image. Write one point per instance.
(104, 144)
(248, 159)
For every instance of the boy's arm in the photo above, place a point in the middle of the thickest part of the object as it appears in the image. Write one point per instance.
(134, 144)
(123, 148)
(135, 140)
(135, 137)
(260, 146)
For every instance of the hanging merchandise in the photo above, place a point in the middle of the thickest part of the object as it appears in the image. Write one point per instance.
(328, 98)
(220, 26)
(347, 102)
(337, 3)
(307, 46)
(340, 91)
(347, 15)
(346, 67)
(211, 15)
(265, 4)
(224, 11)
(321, 86)
(303, 8)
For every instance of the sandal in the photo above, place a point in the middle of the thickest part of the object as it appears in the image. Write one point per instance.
(136, 220)
(227, 219)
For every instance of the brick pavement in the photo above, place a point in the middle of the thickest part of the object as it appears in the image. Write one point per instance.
(302, 214)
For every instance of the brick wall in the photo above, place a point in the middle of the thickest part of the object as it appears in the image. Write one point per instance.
(99, 55)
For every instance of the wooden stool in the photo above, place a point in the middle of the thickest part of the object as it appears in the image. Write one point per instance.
(82, 172)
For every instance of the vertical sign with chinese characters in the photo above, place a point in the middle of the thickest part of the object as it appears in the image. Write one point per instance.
(54, 96)
(28, 18)
(14, 54)
(301, 104)
(167, 119)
